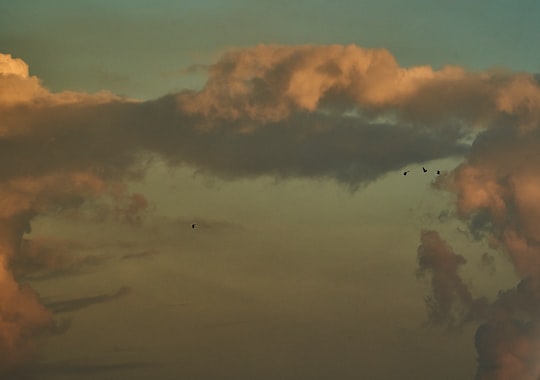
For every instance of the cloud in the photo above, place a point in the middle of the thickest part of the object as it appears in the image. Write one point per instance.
(13, 66)
(270, 82)
(488, 262)
(43, 258)
(452, 302)
(508, 350)
(70, 368)
(18, 87)
(22, 316)
(496, 190)
(340, 112)
(15, 83)
(80, 303)
(295, 98)
(196, 68)
(115, 141)
(507, 339)
(139, 255)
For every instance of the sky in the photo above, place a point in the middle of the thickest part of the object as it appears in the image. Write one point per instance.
(281, 130)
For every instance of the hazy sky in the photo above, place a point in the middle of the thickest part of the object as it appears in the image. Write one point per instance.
(282, 129)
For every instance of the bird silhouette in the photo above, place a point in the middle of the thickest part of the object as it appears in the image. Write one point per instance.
(438, 172)
(424, 169)
(405, 173)
(193, 225)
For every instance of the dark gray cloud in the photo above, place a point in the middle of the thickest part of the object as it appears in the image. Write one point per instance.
(111, 140)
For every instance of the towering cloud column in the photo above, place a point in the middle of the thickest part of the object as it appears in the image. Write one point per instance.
(22, 316)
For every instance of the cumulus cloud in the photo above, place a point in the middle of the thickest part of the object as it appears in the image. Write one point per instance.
(18, 87)
(496, 191)
(339, 112)
(269, 83)
(497, 188)
(507, 340)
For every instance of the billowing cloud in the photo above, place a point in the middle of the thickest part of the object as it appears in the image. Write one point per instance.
(507, 341)
(496, 189)
(339, 112)
(16, 83)
(17, 87)
(269, 83)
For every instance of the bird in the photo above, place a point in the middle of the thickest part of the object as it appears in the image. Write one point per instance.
(438, 172)
(405, 173)
(193, 225)
(424, 169)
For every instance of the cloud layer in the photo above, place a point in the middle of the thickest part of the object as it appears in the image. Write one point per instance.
(339, 112)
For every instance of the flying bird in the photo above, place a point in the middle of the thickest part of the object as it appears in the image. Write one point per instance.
(193, 225)
(438, 172)
(405, 173)
(424, 169)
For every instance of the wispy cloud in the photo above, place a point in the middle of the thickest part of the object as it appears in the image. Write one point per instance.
(139, 255)
(78, 368)
(43, 258)
(75, 304)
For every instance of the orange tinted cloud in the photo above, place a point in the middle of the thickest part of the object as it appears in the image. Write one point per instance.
(18, 87)
(497, 188)
(15, 83)
(500, 180)
(22, 316)
(269, 83)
